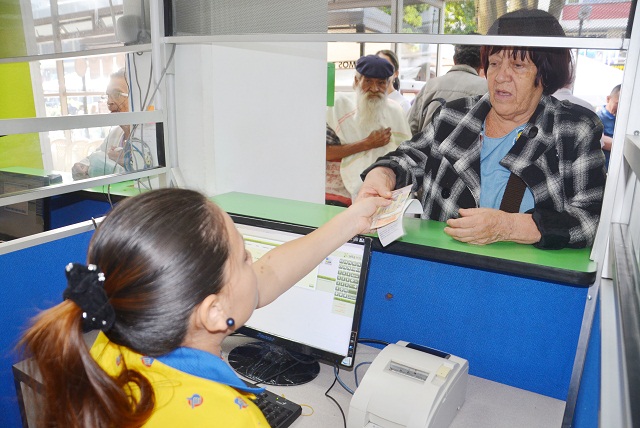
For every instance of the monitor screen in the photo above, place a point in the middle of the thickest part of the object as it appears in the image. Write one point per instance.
(24, 218)
(318, 317)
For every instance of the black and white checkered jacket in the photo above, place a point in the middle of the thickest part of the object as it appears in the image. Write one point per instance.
(558, 156)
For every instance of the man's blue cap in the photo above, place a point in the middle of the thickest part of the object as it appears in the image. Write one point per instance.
(374, 66)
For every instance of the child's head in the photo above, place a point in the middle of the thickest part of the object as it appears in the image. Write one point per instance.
(162, 253)
(613, 99)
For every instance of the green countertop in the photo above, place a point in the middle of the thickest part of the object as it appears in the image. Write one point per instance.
(123, 188)
(426, 239)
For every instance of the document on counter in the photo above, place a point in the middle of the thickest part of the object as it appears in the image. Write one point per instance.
(388, 220)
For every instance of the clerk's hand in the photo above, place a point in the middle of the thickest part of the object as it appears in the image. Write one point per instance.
(362, 212)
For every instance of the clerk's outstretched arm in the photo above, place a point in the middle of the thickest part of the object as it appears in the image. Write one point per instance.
(285, 265)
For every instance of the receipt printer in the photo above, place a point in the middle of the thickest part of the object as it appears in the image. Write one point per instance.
(409, 386)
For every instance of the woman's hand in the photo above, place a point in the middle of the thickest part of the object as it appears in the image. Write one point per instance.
(379, 181)
(482, 226)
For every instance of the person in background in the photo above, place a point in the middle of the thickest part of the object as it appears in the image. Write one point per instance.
(168, 280)
(607, 114)
(368, 125)
(109, 158)
(335, 192)
(394, 90)
(565, 94)
(513, 165)
(462, 80)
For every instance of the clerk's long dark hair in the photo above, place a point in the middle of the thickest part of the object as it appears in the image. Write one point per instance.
(162, 253)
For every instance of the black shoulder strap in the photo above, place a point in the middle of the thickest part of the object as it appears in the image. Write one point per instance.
(513, 194)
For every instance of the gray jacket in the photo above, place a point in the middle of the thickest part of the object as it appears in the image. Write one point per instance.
(459, 82)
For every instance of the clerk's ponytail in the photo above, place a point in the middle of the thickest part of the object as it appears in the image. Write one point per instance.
(76, 391)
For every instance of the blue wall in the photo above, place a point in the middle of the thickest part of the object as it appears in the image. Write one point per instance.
(31, 279)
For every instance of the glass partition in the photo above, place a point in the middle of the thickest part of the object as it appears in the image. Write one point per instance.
(596, 71)
(28, 217)
(50, 27)
(75, 154)
(80, 110)
(75, 86)
(66, 68)
(579, 18)
(418, 17)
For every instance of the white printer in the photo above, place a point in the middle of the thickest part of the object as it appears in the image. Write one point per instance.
(409, 386)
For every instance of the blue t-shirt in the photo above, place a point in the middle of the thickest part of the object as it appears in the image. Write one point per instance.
(608, 120)
(493, 176)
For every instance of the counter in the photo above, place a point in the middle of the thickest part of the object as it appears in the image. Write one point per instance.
(426, 239)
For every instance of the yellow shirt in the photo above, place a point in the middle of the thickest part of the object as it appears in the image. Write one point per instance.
(182, 397)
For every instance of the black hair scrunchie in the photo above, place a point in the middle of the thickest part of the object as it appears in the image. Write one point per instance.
(85, 287)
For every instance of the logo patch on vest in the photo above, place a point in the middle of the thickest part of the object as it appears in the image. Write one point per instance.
(195, 400)
(240, 403)
(147, 361)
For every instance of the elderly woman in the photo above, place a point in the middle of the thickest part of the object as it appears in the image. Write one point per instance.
(513, 165)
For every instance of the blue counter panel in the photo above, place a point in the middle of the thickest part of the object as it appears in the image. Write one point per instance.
(74, 208)
(513, 330)
(31, 280)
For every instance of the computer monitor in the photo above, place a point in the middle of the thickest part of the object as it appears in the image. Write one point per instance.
(317, 318)
(24, 218)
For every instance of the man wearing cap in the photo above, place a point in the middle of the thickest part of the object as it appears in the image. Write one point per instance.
(366, 125)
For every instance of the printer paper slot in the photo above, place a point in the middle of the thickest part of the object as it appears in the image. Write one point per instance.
(405, 370)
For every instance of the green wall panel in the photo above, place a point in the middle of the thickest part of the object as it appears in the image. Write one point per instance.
(16, 91)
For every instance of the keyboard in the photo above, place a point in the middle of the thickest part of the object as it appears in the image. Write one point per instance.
(279, 412)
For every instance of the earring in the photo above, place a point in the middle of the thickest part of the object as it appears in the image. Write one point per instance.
(231, 322)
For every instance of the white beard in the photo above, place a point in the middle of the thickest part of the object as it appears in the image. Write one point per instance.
(371, 111)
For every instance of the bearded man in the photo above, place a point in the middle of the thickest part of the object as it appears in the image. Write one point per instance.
(362, 128)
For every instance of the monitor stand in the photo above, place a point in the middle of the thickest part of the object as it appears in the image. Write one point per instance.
(271, 364)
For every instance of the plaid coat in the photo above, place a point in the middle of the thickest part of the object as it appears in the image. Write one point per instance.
(558, 156)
